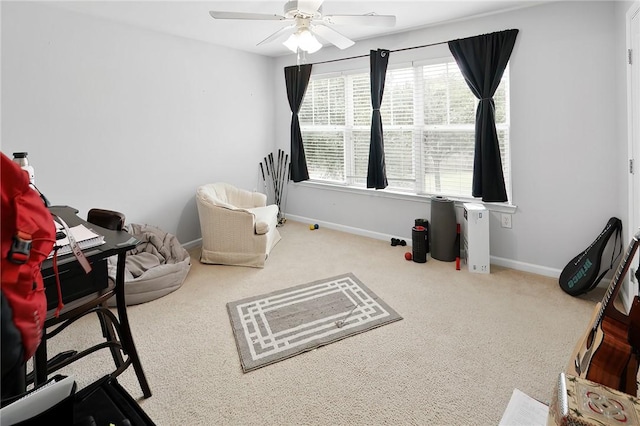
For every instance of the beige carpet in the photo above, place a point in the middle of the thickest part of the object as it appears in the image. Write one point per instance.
(466, 341)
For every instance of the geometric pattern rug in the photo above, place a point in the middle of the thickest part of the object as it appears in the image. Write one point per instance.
(285, 323)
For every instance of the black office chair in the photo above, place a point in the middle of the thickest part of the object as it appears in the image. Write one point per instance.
(106, 218)
(97, 303)
(113, 220)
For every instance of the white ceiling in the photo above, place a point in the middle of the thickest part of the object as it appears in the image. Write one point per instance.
(191, 18)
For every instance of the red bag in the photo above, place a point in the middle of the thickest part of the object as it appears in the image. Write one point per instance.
(28, 235)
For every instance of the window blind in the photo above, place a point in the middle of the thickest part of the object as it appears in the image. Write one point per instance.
(428, 115)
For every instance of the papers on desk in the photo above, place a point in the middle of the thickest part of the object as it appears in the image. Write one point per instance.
(84, 236)
(523, 410)
(37, 401)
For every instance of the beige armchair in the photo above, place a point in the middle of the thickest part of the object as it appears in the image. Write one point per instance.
(238, 228)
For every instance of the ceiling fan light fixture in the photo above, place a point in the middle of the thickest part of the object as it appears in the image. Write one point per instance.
(304, 40)
(292, 42)
(308, 42)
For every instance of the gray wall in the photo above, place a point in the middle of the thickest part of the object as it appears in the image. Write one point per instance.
(118, 117)
(127, 119)
(568, 144)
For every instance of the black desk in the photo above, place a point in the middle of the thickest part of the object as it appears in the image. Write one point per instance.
(116, 329)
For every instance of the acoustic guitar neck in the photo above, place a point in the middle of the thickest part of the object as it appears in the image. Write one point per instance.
(607, 305)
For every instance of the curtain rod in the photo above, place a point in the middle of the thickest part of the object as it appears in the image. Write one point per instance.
(396, 50)
(367, 55)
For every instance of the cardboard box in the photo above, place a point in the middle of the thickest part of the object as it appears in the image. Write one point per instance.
(475, 238)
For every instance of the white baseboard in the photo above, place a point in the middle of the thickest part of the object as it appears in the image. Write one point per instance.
(526, 267)
(350, 229)
(508, 263)
(193, 244)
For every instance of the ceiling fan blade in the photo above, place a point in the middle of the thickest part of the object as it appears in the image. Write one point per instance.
(332, 36)
(241, 15)
(373, 20)
(282, 32)
(309, 6)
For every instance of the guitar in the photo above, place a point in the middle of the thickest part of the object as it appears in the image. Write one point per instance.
(604, 353)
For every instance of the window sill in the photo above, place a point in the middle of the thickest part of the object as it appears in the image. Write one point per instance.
(384, 193)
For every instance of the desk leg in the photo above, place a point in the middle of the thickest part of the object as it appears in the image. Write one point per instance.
(109, 334)
(125, 329)
(40, 362)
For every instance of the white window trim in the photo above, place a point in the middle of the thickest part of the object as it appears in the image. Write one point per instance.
(396, 195)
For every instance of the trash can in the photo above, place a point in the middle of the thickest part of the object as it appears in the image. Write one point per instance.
(443, 229)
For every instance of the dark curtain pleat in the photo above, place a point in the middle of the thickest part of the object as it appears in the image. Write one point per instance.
(376, 172)
(482, 61)
(297, 79)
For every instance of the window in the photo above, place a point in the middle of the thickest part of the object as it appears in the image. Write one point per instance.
(428, 116)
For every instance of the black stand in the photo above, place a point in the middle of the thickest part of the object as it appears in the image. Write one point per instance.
(115, 328)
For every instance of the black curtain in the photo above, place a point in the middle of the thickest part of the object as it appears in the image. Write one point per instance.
(376, 173)
(297, 79)
(482, 60)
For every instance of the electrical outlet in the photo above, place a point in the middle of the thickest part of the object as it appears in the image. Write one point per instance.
(506, 220)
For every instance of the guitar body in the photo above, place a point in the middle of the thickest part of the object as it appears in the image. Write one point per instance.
(634, 323)
(606, 353)
(611, 358)
(580, 360)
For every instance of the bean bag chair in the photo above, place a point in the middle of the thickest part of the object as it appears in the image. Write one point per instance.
(156, 267)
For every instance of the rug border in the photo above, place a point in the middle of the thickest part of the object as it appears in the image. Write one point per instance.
(233, 318)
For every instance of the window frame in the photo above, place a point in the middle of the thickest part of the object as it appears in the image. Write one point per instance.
(418, 128)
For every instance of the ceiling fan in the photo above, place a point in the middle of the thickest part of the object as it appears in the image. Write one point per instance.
(307, 22)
